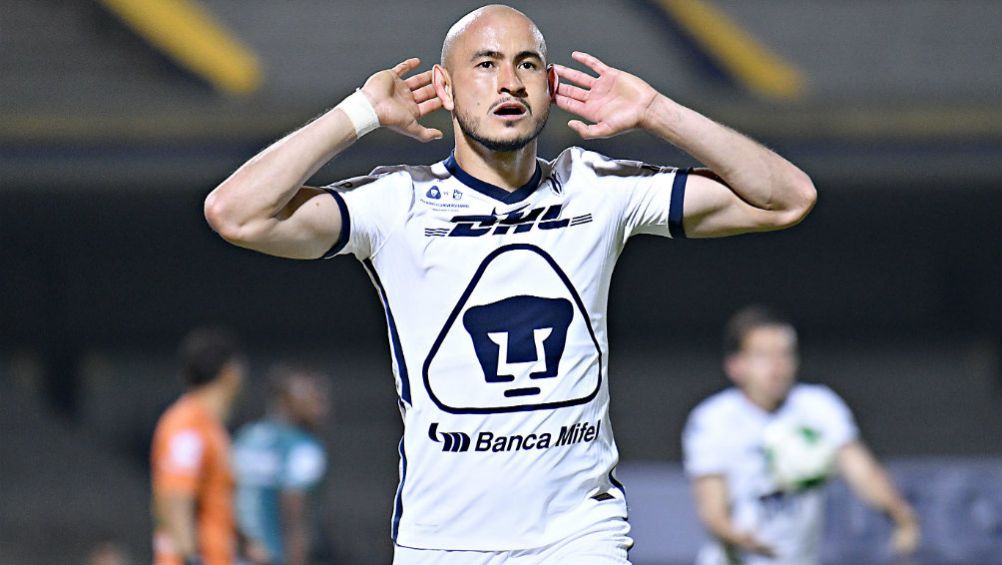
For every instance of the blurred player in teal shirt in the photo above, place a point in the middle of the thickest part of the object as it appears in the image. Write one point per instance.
(277, 461)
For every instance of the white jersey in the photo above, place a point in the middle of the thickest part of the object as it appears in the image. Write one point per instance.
(723, 436)
(496, 310)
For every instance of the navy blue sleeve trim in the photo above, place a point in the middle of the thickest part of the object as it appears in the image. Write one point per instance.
(398, 500)
(675, 212)
(342, 238)
(398, 349)
(615, 482)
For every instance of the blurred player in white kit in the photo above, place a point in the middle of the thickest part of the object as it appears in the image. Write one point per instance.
(755, 513)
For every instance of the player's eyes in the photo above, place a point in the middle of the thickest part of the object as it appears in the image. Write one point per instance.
(526, 65)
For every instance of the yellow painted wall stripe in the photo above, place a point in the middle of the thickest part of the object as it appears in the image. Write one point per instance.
(188, 34)
(833, 124)
(737, 51)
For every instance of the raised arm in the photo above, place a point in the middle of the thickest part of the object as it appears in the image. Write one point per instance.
(264, 205)
(746, 188)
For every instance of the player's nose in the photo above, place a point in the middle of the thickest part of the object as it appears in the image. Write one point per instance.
(509, 81)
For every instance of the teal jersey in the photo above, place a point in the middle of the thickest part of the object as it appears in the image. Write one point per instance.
(271, 457)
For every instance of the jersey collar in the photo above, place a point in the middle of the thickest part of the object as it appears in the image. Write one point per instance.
(488, 189)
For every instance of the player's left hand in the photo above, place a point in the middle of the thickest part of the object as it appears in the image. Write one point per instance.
(257, 553)
(615, 101)
(906, 537)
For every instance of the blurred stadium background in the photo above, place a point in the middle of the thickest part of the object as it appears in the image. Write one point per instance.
(118, 116)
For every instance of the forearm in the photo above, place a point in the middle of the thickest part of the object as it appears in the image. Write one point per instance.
(294, 534)
(875, 487)
(871, 482)
(176, 516)
(183, 535)
(260, 189)
(712, 507)
(757, 175)
(296, 544)
(719, 525)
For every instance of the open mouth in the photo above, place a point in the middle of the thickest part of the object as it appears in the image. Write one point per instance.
(510, 110)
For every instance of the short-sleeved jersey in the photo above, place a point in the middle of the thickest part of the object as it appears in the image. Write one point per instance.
(723, 436)
(496, 310)
(190, 455)
(271, 457)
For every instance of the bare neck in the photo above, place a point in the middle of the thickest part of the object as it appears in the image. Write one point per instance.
(278, 413)
(508, 170)
(215, 399)
(763, 402)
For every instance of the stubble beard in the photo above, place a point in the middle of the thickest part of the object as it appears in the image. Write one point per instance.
(470, 126)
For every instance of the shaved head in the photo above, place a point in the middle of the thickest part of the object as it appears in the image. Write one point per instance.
(485, 16)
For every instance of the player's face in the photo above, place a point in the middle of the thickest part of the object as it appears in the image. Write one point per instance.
(766, 365)
(499, 83)
(232, 377)
(308, 402)
(235, 373)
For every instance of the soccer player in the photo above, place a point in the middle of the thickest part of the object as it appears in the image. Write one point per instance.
(494, 266)
(753, 520)
(277, 461)
(192, 481)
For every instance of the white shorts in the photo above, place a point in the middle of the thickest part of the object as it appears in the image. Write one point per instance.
(606, 543)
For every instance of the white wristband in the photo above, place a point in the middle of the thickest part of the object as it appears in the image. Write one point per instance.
(360, 112)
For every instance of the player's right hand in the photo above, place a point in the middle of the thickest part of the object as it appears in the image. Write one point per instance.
(750, 543)
(401, 102)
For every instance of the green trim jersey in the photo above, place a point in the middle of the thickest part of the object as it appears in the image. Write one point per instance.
(270, 457)
(496, 311)
(724, 436)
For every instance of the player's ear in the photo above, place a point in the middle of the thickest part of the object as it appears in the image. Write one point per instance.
(552, 82)
(732, 362)
(443, 86)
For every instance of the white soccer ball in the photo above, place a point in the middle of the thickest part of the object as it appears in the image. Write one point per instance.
(799, 456)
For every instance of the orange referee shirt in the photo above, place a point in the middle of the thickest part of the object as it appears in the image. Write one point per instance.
(190, 455)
